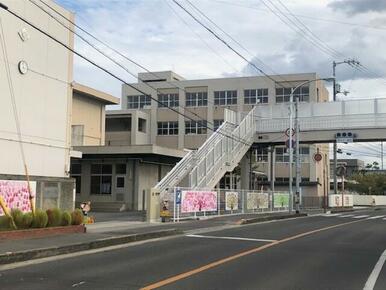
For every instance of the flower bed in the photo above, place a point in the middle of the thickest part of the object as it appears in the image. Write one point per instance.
(40, 232)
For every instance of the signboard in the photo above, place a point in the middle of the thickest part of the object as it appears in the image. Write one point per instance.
(231, 200)
(196, 201)
(257, 200)
(15, 194)
(318, 157)
(178, 196)
(287, 132)
(281, 200)
(287, 143)
(335, 200)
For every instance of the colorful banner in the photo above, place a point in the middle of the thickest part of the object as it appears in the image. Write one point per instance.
(231, 200)
(15, 194)
(281, 200)
(196, 201)
(257, 200)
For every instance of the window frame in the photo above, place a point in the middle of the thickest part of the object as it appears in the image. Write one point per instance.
(167, 128)
(101, 175)
(225, 98)
(140, 102)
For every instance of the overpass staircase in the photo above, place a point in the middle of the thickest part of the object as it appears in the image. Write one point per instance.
(221, 152)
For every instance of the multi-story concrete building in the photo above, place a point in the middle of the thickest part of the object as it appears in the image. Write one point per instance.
(36, 99)
(204, 101)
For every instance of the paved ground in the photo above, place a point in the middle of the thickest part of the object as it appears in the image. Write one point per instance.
(320, 252)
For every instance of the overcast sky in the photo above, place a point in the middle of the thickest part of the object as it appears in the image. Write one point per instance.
(160, 36)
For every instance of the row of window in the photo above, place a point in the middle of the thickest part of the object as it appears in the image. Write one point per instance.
(191, 127)
(261, 155)
(222, 98)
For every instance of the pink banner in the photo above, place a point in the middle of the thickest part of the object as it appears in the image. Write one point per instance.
(15, 194)
(196, 201)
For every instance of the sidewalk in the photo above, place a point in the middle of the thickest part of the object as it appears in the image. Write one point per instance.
(113, 232)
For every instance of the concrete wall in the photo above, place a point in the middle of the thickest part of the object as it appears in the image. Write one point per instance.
(89, 113)
(43, 95)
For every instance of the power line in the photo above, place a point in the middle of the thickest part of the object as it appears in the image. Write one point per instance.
(107, 71)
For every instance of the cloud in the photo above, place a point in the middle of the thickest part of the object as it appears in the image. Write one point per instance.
(352, 7)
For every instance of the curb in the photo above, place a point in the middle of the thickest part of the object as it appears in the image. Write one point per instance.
(13, 257)
(270, 218)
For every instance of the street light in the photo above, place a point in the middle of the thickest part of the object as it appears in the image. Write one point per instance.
(298, 173)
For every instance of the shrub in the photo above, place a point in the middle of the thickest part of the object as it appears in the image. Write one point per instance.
(17, 216)
(5, 222)
(77, 217)
(40, 219)
(27, 220)
(66, 218)
(54, 217)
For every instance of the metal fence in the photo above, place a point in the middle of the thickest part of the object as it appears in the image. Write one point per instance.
(185, 203)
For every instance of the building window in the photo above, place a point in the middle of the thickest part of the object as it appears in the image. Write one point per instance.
(217, 123)
(225, 97)
(196, 99)
(261, 154)
(76, 173)
(283, 156)
(283, 94)
(168, 100)
(101, 178)
(138, 102)
(120, 182)
(256, 96)
(196, 127)
(167, 128)
(141, 125)
(121, 124)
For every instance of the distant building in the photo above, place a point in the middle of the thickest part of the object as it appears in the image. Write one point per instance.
(352, 166)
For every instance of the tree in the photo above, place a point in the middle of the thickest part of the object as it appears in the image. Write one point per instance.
(371, 183)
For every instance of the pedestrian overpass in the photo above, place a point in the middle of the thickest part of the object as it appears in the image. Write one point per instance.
(319, 123)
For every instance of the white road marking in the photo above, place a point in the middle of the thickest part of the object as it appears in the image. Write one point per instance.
(360, 216)
(347, 215)
(332, 214)
(384, 219)
(375, 217)
(375, 273)
(231, 238)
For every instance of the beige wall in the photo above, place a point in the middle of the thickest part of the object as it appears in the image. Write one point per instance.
(91, 114)
(43, 103)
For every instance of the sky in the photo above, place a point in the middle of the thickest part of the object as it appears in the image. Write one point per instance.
(278, 36)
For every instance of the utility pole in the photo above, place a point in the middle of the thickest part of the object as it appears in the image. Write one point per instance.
(290, 204)
(353, 63)
(335, 145)
(382, 155)
(298, 165)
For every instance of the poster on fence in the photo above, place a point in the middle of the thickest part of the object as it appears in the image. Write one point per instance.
(231, 200)
(257, 200)
(15, 194)
(196, 201)
(281, 200)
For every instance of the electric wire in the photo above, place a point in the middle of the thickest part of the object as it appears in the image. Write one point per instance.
(112, 74)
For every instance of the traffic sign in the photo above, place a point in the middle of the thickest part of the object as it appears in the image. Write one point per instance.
(178, 196)
(287, 143)
(318, 157)
(287, 132)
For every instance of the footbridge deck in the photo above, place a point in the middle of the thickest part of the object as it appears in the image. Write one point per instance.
(319, 122)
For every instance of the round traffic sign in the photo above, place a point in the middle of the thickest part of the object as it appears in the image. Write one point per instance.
(318, 157)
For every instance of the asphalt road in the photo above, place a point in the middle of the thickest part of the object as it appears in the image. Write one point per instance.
(320, 252)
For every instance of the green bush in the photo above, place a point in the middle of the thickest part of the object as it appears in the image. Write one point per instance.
(66, 219)
(77, 217)
(54, 217)
(27, 220)
(17, 216)
(40, 219)
(5, 222)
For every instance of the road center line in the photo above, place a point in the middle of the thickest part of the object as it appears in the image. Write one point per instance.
(231, 238)
(347, 215)
(375, 273)
(239, 255)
